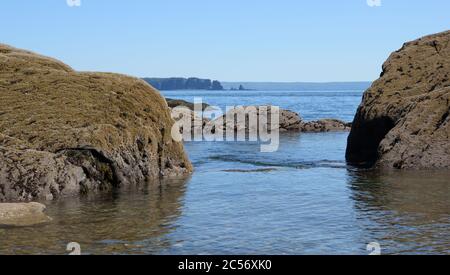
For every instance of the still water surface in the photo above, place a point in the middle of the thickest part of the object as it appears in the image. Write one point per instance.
(303, 199)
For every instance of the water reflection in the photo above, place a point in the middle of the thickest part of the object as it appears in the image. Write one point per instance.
(300, 200)
(126, 221)
(408, 212)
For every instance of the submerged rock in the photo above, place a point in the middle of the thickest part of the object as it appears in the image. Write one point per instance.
(64, 132)
(403, 121)
(22, 214)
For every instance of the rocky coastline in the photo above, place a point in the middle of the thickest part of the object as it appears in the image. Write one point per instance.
(65, 133)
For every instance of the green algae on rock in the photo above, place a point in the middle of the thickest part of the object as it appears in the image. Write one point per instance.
(64, 132)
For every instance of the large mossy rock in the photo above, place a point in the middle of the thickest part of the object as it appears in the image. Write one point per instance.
(64, 132)
(403, 121)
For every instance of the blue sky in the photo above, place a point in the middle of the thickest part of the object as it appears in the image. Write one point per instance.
(229, 40)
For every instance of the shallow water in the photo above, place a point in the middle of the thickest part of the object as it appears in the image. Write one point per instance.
(303, 199)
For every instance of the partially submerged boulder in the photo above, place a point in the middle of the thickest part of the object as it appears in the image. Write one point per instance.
(22, 214)
(288, 121)
(403, 120)
(326, 125)
(64, 132)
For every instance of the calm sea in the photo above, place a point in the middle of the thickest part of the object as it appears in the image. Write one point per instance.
(303, 199)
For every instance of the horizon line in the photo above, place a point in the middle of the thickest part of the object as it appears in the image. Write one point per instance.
(266, 81)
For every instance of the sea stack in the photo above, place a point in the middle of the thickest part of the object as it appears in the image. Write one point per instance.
(403, 120)
(64, 132)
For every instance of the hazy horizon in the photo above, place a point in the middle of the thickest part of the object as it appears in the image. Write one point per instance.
(263, 81)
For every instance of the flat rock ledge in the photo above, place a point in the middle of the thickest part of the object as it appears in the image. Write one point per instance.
(22, 214)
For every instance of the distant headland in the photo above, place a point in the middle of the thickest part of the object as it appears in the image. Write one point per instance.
(180, 83)
(193, 83)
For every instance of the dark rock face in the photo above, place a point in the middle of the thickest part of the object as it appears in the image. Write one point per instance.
(64, 132)
(178, 83)
(403, 120)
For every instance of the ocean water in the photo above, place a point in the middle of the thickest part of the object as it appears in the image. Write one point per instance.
(311, 105)
(302, 199)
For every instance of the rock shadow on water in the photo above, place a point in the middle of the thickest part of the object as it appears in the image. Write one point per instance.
(407, 212)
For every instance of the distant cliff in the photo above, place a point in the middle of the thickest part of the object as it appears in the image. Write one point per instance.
(179, 83)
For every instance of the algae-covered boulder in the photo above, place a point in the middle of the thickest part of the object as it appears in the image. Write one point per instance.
(64, 132)
(403, 121)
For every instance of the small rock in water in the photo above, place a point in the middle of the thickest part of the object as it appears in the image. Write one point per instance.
(326, 125)
(22, 214)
